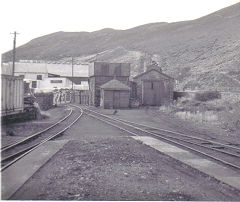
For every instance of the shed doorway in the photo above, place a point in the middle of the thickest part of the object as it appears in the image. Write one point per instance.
(116, 99)
(153, 92)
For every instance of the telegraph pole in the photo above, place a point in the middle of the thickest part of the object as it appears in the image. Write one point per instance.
(72, 73)
(73, 94)
(14, 51)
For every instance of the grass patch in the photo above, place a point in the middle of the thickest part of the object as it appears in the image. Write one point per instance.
(210, 107)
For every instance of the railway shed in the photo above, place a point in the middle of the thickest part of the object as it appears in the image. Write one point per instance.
(102, 72)
(114, 94)
(153, 87)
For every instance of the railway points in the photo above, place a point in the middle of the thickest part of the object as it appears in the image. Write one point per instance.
(92, 146)
(145, 113)
(195, 144)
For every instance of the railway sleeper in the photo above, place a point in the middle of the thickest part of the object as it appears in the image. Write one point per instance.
(207, 143)
(234, 144)
(218, 147)
(59, 135)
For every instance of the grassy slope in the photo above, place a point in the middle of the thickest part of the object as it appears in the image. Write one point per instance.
(201, 50)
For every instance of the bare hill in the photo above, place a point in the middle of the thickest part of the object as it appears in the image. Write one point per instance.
(202, 53)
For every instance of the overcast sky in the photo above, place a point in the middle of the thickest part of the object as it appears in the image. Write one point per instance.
(34, 18)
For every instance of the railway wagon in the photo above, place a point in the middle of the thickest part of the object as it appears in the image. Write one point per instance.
(12, 95)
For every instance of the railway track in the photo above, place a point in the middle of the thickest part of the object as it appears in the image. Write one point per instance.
(14, 152)
(227, 154)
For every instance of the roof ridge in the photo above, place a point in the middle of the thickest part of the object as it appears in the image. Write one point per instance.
(115, 84)
(150, 71)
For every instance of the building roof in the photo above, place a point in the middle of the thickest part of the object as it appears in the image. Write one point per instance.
(64, 70)
(146, 72)
(77, 80)
(115, 63)
(114, 85)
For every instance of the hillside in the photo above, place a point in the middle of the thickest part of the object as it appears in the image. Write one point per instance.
(202, 53)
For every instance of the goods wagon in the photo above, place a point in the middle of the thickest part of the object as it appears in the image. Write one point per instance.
(12, 95)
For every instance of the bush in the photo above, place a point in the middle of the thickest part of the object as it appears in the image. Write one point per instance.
(208, 95)
(230, 117)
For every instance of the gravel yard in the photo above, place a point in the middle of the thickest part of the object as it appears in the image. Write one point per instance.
(102, 163)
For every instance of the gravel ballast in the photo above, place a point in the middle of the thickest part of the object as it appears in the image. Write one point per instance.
(102, 163)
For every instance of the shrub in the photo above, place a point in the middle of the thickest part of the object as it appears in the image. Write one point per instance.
(208, 95)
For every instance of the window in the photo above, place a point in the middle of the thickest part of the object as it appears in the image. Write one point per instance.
(22, 75)
(39, 77)
(34, 84)
(55, 81)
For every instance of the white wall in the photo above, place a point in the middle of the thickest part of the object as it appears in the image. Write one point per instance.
(84, 86)
(32, 76)
(51, 83)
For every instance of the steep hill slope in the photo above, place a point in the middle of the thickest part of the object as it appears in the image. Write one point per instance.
(201, 53)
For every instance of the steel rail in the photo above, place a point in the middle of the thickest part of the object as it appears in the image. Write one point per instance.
(177, 138)
(42, 142)
(10, 146)
(183, 140)
(168, 131)
(166, 139)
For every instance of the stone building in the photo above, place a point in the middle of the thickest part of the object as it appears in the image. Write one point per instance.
(153, 87)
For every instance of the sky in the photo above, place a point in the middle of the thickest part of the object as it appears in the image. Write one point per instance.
(35, 18)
